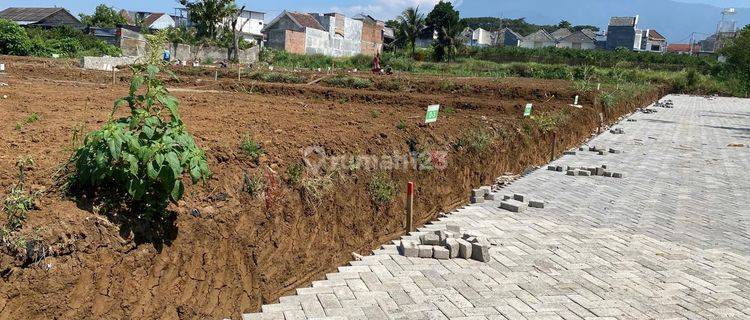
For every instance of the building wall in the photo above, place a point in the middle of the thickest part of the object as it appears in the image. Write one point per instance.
(535, 44)
(60, 18)
(295, 42)
(510, 40)
(580, 45)
(372, 38)
(620, 37)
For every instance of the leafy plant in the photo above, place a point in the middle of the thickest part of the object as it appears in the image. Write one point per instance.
(294, 173)
(375, 114)
(34, 117)
(401, 125)
(252, 149)
(139, 160)
(382, 189)
(18, 202)
(609, 100)
(314, 188)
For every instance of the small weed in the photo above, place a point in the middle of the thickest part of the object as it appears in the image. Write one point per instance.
(476, 140)
(609, 100)
(18, 202)
(18, 126)
(401, 125)
(382, 189)
(34, 117)
(375, 114)
(315, 188)
(252, 149)
(449, 111)
(294, 173)
(254, 185)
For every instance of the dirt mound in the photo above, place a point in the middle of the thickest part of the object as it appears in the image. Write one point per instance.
(232, 251)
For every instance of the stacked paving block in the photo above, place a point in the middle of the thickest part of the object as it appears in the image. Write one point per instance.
(588, 171)
(446, 244)
(519, 203)
(617, 131)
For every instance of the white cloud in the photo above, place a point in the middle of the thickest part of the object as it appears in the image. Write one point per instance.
(389, 9)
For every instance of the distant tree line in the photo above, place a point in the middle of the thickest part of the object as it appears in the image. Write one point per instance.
(520, 25)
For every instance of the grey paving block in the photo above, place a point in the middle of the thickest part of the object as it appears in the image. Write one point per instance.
(474, 199)
(409, 249)
(536, 204)
(490, 196)
(425, 251)
(464, 249)
(453, 228)
(513, 206)
(429, 239)
(479, 193)
(519, 197)
(616, 175)
(480, 252)
(453, 247)
(440, 253)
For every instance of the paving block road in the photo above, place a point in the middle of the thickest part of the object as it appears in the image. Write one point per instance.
(669, 240)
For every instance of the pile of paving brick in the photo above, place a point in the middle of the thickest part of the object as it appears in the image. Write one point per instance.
(518, 203)
(446, 244)
(666, 104)
(586, 171)
(616, 131)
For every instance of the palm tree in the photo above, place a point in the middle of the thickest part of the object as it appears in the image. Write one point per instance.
(454, 38)
(411, 22)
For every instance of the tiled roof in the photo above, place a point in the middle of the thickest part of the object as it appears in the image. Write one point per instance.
(622, 21)
(578, 36)
(654, 35)
(682, 47)
(28, 15)
(148, 21)
(560, 33)
(305, 20)
(540, 35)
(590, 33)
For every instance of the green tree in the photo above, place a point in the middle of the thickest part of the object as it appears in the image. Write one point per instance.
(103, 17)
(209, 14)
(410, 23)
(445, 20)
(13, 39)
(564, 24)
(737, 53)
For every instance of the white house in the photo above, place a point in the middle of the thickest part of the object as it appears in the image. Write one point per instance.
(539, 39)
(480, 38)
(578, 40)
(250, 24)
(158, 21)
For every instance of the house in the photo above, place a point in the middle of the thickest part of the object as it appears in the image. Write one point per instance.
(507, 38)
(41, 17)
(622, 32)
(578, 40)
(560, 33)
(331, 34)
(250, 24)
(653, 41)
(479, 38)
(539, 39)
(149, 20)
(683, 48)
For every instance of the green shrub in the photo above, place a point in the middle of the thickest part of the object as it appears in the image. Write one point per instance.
(348, 82)
(252, 149)
(34, 117)
(609, 100)
(139, 161)
(13, 39)
(401, 125)
(382, 189)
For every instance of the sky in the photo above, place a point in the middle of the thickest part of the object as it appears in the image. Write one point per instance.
(381, 9)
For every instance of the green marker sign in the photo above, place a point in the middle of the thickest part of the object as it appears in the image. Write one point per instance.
(527, 111)
(432, 113)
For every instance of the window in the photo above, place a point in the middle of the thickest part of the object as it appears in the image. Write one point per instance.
(655, 47)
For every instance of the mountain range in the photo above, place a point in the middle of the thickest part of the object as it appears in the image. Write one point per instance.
(675, 20)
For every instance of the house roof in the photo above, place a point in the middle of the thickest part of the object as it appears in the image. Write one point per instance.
(305, 20)
(26, 16)
(654, 35)
(589, 33)
(504, 30)
(578, 36)
(683, 47)
(623, 21)
(540, 35)
(561, 33)
(150, 19)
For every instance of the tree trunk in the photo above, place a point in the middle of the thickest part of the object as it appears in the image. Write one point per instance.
(235, 50)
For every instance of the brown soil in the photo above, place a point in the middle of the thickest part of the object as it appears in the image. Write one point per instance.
(242, 251)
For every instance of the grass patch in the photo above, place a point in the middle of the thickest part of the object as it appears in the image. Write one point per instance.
(277, 77)
(294, 173)
(401, 125)
(477, 139)
(382, 189)
(348, 82)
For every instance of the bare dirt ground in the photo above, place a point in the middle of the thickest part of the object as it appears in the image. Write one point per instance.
(241, 251)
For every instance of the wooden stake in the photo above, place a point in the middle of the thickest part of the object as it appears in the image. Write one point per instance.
(409, 206)
(554, 144)
(216, 75)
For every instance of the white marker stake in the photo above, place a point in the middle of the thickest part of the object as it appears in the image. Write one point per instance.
(575, 103)
(2, 66)
(598, 87)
